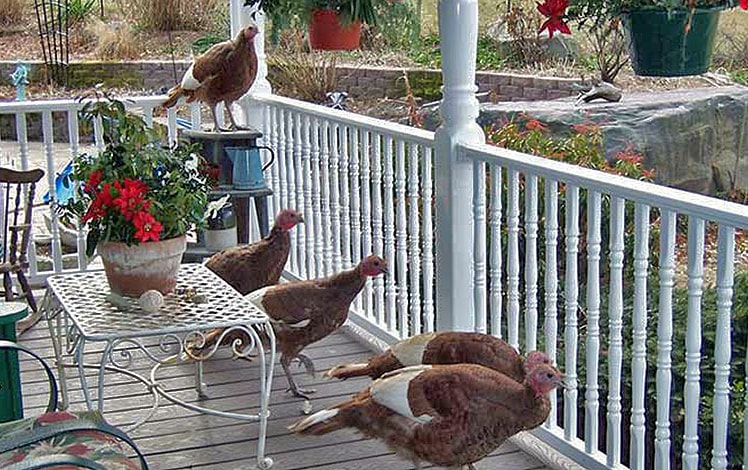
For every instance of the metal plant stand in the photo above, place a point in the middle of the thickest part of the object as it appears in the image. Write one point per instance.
(78, 312)
(54, 35)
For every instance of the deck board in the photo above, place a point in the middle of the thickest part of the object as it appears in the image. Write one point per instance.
(177, 438)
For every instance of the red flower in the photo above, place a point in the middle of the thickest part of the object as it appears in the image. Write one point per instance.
(94, 180)
(585, 129)
(131, 198)
(534, 125)
(98, 207)
(744, 4)
(554, 10)
(147, 227)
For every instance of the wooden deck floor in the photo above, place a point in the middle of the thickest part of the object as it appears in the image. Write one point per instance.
(176, 438)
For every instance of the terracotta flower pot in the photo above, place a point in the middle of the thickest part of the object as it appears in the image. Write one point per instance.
(134, 269)
(326, 32)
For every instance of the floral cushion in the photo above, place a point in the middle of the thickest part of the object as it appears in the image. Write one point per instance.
(100, 447)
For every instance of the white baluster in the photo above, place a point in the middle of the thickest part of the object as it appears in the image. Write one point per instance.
(531, 262)
(306, 155)
(288, 124)
(74, 139)
(280, 149)
(366, 201)
(195, 118)
(318, 219)
(591, 395)
(512, 276)
(326, 228)
(148, 116)
(271, 137)
(376, 223)
(335, 196)
(414, 240)
(389, 232)
(495, 222)
(692, 387)
(723, 345)
(345, 199)
(171, 124)
(479, 246)
(49, 152)
(665, 339)
(428, 241)
(639, 336)
(615, 326)
(356, 236)
(298, 233)
(401, 240)
(551, 282)
(98, 134)
(571, 292)
(22, 137)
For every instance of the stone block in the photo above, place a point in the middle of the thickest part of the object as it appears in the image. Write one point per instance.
(534, 94)
(522, 80)
(509, 91)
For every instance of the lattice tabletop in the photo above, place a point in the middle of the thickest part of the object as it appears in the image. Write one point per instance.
(84, 296)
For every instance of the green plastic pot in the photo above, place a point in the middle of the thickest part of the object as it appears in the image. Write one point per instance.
(660, 46)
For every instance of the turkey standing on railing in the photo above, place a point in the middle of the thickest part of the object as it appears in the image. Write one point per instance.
(449, 415)
(306, 311)
(250, 267)
(446, 347)
(224, 73)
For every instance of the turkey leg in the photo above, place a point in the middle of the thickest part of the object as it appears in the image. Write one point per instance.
(234, 125)
(215, 119)
(292, 387)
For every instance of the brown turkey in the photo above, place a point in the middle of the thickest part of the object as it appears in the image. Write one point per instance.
(306, 311)
(224, 73)
(449, 415)
(250, 267)
(446, 347)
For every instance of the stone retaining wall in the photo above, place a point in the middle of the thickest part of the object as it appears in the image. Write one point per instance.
(371, 82)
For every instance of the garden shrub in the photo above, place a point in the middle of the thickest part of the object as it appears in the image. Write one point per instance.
(171, 15)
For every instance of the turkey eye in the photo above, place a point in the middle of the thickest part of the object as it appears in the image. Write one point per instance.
(549, 375)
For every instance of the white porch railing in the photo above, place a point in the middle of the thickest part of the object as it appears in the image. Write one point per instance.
(546, 237)
(362, 181)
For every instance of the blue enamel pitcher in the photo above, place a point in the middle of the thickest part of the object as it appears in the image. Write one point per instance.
(248, 167)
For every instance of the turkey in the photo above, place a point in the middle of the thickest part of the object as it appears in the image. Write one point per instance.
(224, 73)
(307, 311)
(446, 347)
(449, 415)
(250, 267)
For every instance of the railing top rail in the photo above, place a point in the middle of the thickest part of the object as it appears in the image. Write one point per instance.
(400, 131)
(38, 106)
(705, 207)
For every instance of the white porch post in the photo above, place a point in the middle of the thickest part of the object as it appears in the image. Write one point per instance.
(240, 16)
(458, 30)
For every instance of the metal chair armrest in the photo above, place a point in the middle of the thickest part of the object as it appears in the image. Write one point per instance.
(52, 404)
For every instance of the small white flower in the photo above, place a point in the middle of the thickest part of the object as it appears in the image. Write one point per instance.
(192, 163)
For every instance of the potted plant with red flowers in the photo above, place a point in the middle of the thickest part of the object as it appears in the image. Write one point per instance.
(336, 24)
(665, 37)
(137, 199)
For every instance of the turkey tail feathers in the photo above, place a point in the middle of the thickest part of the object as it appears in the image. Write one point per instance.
(174, 95)
(320, 422)
(347, 371)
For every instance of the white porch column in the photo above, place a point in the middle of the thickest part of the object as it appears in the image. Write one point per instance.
(458, 30)
(240, 16)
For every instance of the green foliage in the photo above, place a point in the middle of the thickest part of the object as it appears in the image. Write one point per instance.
(79, 10)
(398, 26)
(134, 182)
(202, 44)
(428, 53)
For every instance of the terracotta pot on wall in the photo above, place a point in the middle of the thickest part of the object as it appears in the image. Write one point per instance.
(326, 32)
(134, 269)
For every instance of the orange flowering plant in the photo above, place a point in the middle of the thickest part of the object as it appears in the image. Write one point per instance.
(135, 190)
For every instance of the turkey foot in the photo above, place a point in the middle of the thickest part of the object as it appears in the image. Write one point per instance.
(307, 363)
(292, 387)
(216, 127)
(234, 125)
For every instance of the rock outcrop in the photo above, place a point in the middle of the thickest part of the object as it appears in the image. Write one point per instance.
(695, 139)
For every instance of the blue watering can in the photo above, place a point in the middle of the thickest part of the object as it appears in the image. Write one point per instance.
(248, 168)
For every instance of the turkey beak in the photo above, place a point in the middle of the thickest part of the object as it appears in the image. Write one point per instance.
(301, 219)
(561, 382)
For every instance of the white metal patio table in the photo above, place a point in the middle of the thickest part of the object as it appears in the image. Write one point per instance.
(79, 310)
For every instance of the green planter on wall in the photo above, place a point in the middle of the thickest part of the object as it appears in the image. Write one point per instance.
(659, 45)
